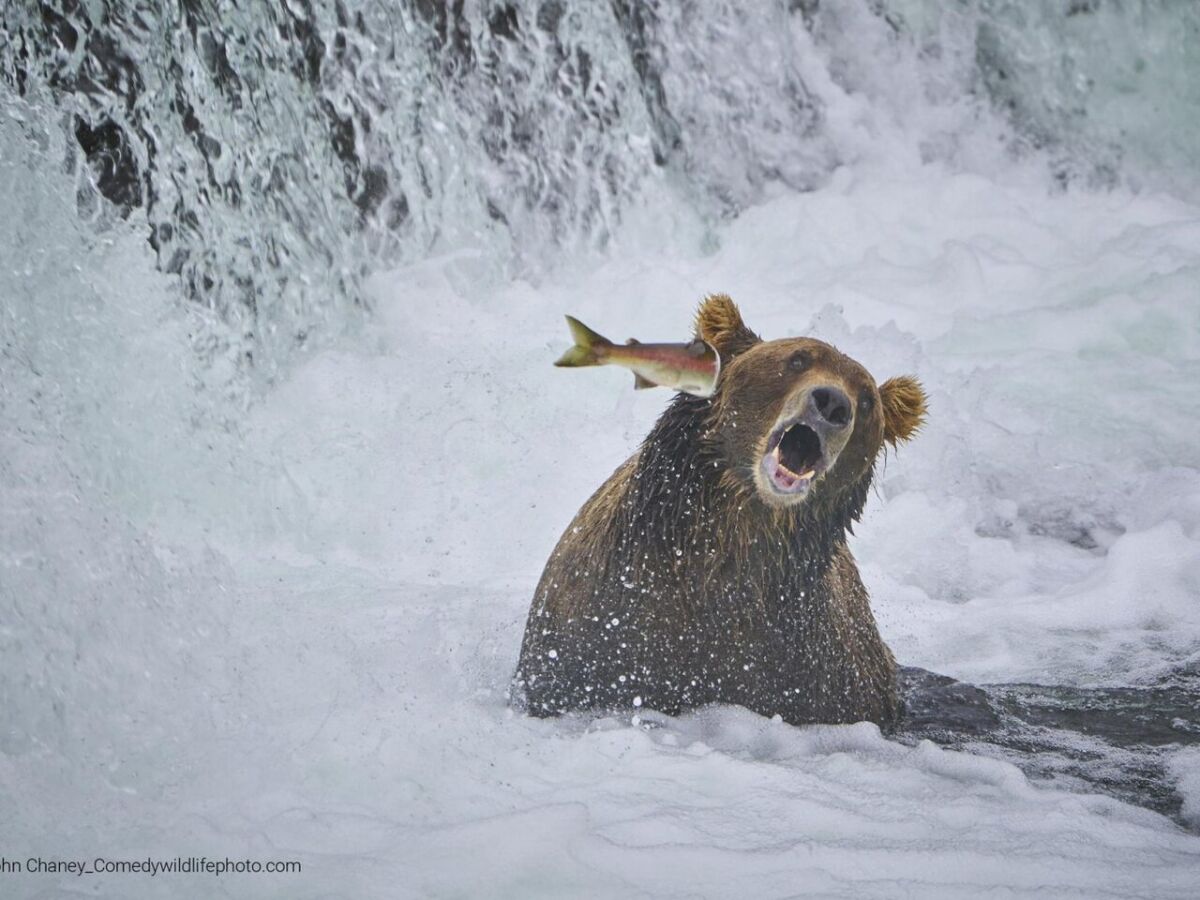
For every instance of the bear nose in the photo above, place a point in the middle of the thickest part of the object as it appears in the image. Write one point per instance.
(832, 405)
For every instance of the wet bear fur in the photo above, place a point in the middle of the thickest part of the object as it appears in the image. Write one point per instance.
(685, 580)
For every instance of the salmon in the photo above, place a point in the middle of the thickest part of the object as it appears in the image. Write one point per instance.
(692, 367)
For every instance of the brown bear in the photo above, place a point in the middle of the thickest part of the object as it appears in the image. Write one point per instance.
(712, 567)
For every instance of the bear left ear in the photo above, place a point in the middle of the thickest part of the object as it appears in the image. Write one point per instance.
(719, 323)
(904, 408)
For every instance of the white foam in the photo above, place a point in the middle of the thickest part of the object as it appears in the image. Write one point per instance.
(1184, 767)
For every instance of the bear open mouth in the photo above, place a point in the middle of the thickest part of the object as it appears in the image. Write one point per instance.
(794, 458)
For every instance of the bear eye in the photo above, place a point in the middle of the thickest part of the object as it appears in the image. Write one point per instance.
(799, 361)
(865, 402)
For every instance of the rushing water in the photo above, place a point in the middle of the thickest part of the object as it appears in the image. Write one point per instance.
(280, 460)
(279, 150)
(1114, 740)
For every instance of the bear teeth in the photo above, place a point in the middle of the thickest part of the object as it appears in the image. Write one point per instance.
(798, 476)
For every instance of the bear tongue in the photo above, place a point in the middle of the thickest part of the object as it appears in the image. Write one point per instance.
(784, 476)
(784, 470)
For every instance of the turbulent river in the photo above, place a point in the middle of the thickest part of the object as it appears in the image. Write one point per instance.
(281, 453)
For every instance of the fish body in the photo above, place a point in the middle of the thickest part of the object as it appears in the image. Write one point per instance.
(692, 367)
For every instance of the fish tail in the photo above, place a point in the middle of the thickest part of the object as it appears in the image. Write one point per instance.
(587, 346)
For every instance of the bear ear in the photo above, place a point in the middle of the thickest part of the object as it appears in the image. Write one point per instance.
(904, 408)
(719, 323)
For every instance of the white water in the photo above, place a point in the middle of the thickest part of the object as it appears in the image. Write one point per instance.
(286, 634)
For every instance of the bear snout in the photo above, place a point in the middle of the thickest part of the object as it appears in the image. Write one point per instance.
(832, 406)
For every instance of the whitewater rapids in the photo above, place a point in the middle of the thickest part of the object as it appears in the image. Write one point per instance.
(284, 630)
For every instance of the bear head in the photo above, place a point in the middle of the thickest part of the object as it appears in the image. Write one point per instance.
(795, 419)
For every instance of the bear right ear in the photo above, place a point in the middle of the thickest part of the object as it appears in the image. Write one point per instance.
(719, 323)
(904, 408)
